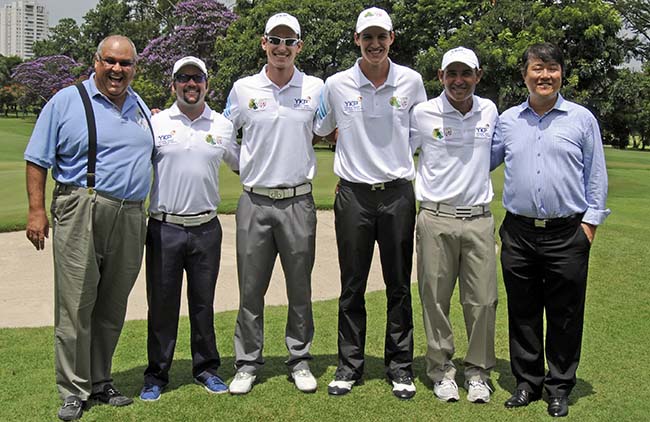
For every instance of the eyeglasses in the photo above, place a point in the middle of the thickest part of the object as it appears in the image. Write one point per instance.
(185, 78)
(112, 62)
(289, 42)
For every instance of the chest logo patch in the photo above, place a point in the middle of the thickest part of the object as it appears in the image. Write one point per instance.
(166, 139)
(482, 131)
(214, 141)
(302, 103)
(258, 104)
(354, 105)
(399, 103)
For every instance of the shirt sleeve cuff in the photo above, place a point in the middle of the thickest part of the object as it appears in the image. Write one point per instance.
(595, 217)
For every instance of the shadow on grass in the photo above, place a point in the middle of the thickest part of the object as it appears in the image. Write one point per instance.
(130, 381)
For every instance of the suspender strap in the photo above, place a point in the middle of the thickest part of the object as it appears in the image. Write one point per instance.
(144, 113)
(92, 135)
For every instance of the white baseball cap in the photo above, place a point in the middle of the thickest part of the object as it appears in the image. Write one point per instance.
(462, 55)
(189, 61)
(282, 19)
(374, 17)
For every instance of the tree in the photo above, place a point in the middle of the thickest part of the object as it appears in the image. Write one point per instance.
(637, 17)
(327, 31)
(65, 39)
(198, 25)
(44, 76)
(107, 18)
(586, 30)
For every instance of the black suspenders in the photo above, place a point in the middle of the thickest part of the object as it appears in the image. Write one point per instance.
(92, 133)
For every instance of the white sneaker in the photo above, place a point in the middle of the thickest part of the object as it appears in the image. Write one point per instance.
(478, 391)
(340, 387)
(403, 387)
(242, 383)
(446, 390)
(304, 380)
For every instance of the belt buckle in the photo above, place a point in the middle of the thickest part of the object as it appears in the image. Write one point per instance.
(377, 186)
(540, 223)
(276, 193)
(193, 220)
(463, 212)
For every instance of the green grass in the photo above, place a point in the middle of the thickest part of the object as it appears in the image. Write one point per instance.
(14, 135)
(611, 377)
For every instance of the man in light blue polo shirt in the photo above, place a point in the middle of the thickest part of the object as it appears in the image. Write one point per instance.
(97, 232)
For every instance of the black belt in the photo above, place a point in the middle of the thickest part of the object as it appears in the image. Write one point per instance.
(375, 186)
(547, 223)
(63, 189)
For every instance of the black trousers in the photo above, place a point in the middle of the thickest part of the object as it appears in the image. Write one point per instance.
(172, 249)
(363, 216)
(545, 270)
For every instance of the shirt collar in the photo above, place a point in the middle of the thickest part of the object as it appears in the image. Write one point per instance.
(361, 80)
(448, 108)
(560, 105)
(174, 111)
(93, 91)
(296, 79)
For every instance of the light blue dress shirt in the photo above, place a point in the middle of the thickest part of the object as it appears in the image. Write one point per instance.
(554, 164)
(124, 142)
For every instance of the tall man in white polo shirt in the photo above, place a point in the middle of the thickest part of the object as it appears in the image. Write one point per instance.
(455, 229)
(276, 212)
(184, 233)
(370, 105)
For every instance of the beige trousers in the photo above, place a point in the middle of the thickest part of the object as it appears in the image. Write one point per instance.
(448, 249)
(98, 246)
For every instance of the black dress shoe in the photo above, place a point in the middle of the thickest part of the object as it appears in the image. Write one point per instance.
(520, 398)
(558, 406)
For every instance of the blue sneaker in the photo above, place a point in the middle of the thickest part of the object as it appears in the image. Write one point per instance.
(213, 384)
(150, 392)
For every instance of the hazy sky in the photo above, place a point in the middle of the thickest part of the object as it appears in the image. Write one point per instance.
(59, 9)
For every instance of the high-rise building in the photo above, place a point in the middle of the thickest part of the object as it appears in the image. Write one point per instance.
(21, 23)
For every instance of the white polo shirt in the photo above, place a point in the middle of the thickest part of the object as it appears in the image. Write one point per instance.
(373, 123)
(276, 149)
(186, 160)
(454, 160)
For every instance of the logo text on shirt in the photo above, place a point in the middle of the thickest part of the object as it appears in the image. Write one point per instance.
(302, 103)
(353, 105)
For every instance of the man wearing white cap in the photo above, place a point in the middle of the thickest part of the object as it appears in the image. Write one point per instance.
(370, 104)
(455, 229)
(184, 233)
(276, 212)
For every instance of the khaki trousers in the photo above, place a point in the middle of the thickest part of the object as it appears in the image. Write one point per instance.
(451, 248)
(98, 246)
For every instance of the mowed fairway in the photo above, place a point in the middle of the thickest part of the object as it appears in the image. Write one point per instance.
(612, 375)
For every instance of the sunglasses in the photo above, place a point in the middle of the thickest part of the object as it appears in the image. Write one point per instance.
(289, 42)
(112, 62)
(185, 78)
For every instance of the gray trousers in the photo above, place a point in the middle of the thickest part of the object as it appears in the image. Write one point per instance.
(98, 246)
(266, 228)
(448, 249)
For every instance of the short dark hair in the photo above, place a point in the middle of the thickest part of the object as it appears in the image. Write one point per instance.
(546, 52)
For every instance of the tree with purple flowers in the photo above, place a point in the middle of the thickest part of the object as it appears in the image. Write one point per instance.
(44, 76)
(197, 25)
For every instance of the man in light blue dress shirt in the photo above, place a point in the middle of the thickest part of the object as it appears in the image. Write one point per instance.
(554, 193)
(98, 231)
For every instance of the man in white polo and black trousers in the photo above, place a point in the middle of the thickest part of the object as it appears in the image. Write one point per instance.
(276, 213)
(370, 104)
(184, 233)
(455, 228)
